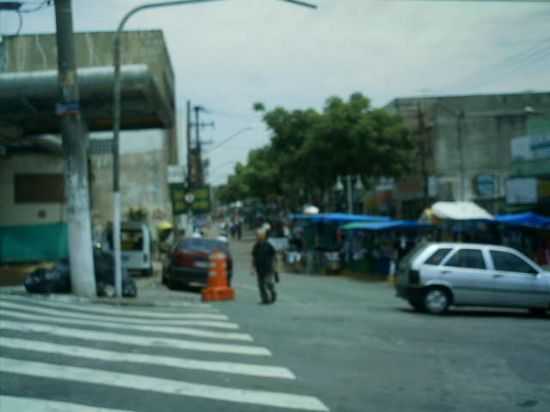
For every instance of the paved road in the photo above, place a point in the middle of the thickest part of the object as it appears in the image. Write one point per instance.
(329, 343)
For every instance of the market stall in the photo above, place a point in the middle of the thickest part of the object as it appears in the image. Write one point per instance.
(316, 240)
(461, 222)
(527, 232)
(371, 247)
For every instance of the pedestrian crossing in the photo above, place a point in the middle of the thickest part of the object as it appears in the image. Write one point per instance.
(190, 353)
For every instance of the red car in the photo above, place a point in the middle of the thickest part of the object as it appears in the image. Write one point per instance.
(188, 263)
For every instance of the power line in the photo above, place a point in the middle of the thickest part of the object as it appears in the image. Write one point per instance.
(509, 64)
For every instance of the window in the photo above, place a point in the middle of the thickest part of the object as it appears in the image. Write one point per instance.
(507, 262)
(467, 258)
(131, 240)
(437, 257)
(39, 188)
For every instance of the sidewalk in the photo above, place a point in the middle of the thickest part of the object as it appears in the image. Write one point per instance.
(150, 290)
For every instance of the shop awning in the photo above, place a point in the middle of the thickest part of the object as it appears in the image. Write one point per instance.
(458, 211)
(390, 225)
(528, 219)
(341, 218)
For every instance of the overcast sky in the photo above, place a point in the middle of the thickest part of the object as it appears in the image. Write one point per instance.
(227, 55)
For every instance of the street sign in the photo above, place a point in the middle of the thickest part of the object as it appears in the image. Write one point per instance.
(177, 194)
(201, 202)
(184, 200)
(175, 174)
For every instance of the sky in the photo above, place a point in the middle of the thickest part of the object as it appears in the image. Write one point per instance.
(226, 55)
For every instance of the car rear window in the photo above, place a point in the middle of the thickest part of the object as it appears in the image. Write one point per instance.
(437, 257)
(203, 245)
(413, 253)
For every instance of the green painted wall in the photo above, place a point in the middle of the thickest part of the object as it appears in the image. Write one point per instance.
(32, 243)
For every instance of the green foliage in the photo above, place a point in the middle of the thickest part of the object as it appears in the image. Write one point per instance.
(309, 149)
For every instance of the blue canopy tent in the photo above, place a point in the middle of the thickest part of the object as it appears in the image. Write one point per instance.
(387, 225)
(529, 219)
(340, 218)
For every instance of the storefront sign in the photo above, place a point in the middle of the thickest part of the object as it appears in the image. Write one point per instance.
(521, 191)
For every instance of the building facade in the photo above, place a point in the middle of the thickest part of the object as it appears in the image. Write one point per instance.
(464, 151)
(32, 198)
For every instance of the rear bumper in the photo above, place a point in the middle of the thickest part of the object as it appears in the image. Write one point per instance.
(188, 276)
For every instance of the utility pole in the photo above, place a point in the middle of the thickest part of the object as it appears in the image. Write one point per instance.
(198, 144)
(189, 154)
(459, 132)
(75, 145)
(350, 194)
(423, 145)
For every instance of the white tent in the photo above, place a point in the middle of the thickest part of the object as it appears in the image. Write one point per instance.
(459, 211)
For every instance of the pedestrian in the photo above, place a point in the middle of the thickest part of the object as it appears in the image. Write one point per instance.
(263, 258)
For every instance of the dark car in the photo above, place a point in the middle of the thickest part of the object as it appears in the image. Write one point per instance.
(188, 263)
(58, 278)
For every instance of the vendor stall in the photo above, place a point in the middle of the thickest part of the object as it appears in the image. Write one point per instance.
(461, 222)
(527, 232)
(373, 246)
(317, 242)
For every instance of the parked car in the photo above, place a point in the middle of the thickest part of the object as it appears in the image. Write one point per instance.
(434, 276)
(136, 243)
(57, 279)
(188, 263)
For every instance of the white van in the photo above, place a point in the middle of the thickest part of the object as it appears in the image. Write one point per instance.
(136, 248)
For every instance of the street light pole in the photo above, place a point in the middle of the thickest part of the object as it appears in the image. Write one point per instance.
(116, 130)
(116, 119)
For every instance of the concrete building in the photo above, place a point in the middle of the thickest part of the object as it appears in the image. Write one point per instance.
(464, 150)
(140, 186)
(31, 161)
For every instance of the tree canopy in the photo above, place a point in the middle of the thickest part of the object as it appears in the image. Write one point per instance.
(308, 149)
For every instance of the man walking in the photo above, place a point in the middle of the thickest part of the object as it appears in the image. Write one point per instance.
(263, 257)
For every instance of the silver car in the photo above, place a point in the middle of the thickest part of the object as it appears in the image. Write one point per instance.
(435, 276)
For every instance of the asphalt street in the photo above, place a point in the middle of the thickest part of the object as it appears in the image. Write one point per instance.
(328, 343)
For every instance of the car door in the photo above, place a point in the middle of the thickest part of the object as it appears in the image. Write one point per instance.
(467, 273)
(516, 281)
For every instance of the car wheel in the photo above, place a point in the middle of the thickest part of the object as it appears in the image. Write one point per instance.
(436, 301)
(537, 311)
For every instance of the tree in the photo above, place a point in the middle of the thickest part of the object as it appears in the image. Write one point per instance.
(309, 149)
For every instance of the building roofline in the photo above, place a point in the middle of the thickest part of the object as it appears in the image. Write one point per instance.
(454, 96)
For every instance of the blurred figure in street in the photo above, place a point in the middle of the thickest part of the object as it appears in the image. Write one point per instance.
(263, 257)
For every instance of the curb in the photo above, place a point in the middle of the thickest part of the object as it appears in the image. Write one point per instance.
(134, 302)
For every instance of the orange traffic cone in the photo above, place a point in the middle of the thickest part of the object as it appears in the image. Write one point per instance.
(218, 286)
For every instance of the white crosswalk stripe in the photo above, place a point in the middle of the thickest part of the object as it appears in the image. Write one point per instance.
(222, 324)
(174, 330)
(173, 387)
(142, 351)
(133, 339)
(122, 311)
(12, 403)
(81, 352)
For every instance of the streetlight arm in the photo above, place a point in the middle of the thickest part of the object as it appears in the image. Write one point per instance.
(301, 3)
